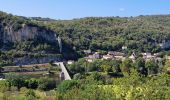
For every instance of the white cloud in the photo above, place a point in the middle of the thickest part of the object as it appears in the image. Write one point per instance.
(122, 9)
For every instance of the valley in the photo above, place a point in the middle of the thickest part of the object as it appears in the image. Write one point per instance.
(91, 58)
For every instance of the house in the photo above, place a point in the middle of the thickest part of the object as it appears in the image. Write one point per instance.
(148, 56)
(117, 55)
(167, 58)
(92, 57)
(133, 56)
(157, 54)
(124, 47)
(87, 51)
(108, 57)
(96, 55)
(111, 53)
(89, 60)
(70, 62)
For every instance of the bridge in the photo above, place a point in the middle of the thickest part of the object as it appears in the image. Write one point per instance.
(64, 70)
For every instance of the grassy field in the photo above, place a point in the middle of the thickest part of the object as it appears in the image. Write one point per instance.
(35, 70)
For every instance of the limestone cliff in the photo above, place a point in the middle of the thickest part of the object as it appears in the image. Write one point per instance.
(27, 32)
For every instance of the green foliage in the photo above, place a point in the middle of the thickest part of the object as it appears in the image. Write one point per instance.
(126, 66)
(142, 33)
(140, 65)
(4, 85)
(67, 85)
(105, 68)
(45, 83)
(152, 67)
(31, 83)
(15, 80)
(139, 33)
(82, 66)
(31, 95)
(77, 76)
(127, 88)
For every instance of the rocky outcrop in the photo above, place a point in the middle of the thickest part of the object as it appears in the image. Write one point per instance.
(27, 32)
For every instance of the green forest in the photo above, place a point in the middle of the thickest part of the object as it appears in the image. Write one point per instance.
(142, 33)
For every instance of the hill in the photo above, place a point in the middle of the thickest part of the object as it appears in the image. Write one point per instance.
(142, 34)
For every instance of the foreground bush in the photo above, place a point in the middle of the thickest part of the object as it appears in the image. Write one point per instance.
(128, 88)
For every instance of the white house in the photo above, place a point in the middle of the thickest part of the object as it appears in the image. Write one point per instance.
(124, 47)
(108, 57)
(70, 62)
(148, 56)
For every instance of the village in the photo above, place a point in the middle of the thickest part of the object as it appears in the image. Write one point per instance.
(120, 55)
(114, 55)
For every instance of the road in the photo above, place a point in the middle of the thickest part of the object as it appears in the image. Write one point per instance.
(64, 70)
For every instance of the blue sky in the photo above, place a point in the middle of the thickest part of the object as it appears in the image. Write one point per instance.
(69, 9)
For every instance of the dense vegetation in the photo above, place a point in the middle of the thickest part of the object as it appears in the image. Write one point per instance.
(143, 33)
(116, 68)
(99, 80)
(128, 88)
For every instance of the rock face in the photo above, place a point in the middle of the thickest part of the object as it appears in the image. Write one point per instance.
(27, 33)
(29, 60)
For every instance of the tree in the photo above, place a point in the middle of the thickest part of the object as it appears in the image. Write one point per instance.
(4, 85)
(77, 76)
(67, 85)
(115, 65)
(140, 65)
(127, 64)
(15, 80)
(78, 67)
(152, 67)
(105, 68)
(91, 67)
(32, 83)
(45, 83)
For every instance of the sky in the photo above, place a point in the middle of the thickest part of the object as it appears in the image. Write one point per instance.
(69, 9)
